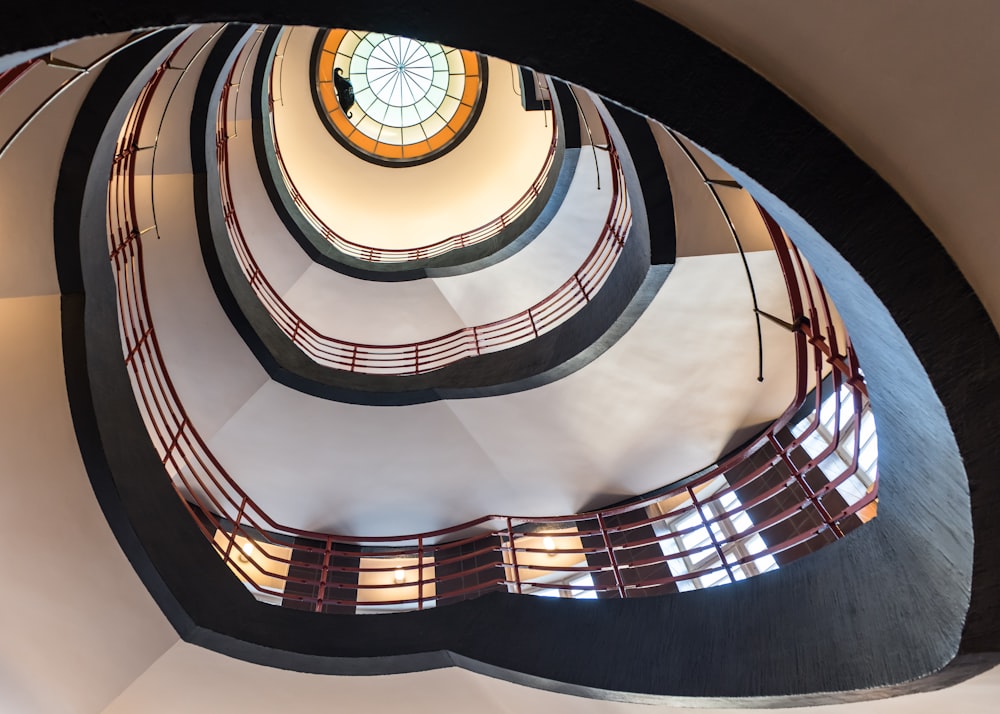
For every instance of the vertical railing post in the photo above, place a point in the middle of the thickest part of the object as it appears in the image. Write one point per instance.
(324, 574)
(711, 534)
(513, 556)
(611, 556)
(420, 572)
(236, 526)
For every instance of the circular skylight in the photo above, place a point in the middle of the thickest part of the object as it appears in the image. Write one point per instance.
(413, 100)
(400, 72)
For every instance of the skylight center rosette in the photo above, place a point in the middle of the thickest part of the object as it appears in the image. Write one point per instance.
(413, 100)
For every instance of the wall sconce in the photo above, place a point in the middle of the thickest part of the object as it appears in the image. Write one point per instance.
(246, 551)
(549, 543)
(399, 575)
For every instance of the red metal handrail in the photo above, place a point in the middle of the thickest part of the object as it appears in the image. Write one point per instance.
(372, 254)
(322, 571)
(427, 355)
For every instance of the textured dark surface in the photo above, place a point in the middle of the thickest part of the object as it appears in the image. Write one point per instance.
(887, 605)
(652, 174)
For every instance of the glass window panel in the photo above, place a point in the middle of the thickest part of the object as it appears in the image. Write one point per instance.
(391, 135)
(343, 62)
(348, 44)
(868, 458)
(433, 124)
(827, 411)
(867, 426)
(847, 411)
(852, 490)
(712, 579)
(815, 443)
(435, 95)
(833, 466)
(448, 107)
(456, 65)
(401, 83)
(412, 135)
(405, 94)
(367, 44)
(378, 110)
(456, 85)
(424, 109)
(741, 522)
(409, 117)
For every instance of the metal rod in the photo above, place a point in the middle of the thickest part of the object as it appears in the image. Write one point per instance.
(739, 246)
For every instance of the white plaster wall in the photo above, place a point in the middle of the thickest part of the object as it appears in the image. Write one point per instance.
(660, 404)
(192, 328)
(910, 87)
(77, 625)
(29, 171)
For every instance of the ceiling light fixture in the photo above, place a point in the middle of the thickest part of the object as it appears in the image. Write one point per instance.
(400, 575)
(549, 544)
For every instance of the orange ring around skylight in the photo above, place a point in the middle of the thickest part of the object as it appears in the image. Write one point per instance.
(415, 100)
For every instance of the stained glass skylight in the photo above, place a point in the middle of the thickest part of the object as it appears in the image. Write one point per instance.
(413, 99)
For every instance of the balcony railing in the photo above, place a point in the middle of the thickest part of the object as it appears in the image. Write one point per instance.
(427, 355)
(401, 255)
(763, 506)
